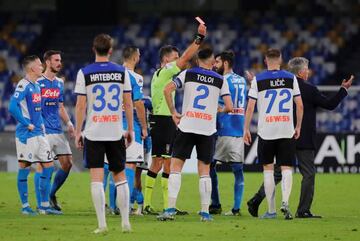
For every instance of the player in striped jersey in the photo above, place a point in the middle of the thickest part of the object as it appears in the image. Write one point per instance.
(196, 127)
(274, 90)
(103, 88)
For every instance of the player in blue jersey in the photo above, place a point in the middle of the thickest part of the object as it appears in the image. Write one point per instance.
(134, 152)
(31, 144)
(53, 112)
(229, 146)
(103, 90)
(137, 195)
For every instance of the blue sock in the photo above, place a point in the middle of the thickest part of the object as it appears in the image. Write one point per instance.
(237, 169)
(106, 174)
(22, 181)
(140, 197)
(112, 192)
(133, 196)
(59, 180)
(44, 184)
(37, 188)
(130, 177)
(215, 198)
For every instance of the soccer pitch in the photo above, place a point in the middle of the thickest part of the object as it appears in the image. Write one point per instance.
(337, 198)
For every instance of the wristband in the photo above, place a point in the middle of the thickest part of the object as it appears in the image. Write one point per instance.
(199, 38)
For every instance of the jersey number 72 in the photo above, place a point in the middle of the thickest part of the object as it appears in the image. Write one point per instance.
(272, 95)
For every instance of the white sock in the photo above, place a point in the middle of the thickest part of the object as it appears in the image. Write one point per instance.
(205, 193)
(174, 185)
(123, 201)
(286, 185)
(98, 198)
(269, 185)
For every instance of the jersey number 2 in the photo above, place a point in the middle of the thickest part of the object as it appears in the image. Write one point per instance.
(204, 95)
(100, 102)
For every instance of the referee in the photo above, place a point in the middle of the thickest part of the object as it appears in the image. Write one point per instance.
(162, 127)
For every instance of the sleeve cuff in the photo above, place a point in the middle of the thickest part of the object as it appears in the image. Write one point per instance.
(252, 97)
(224, 95)
(297, 95)
(127, 91)
(177, 83)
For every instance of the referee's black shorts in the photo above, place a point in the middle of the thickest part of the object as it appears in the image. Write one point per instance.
(95, 151)
(283, 149)
(162, 131)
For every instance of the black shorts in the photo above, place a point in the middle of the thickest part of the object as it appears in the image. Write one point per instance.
(283, 149)
(94, 153)
(185, 142)
(162, 131)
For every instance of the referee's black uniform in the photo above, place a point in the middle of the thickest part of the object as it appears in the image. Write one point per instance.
(305, 145)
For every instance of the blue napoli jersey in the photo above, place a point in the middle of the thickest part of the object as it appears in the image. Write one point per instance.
(136, 82)
(52, 94)
(232, 124)
(25, 107)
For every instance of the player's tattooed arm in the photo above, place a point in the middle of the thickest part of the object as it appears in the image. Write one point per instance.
(141, 113)
(128, 106)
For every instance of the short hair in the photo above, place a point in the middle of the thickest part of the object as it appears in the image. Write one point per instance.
(49, 53)
(102, 44)
(273, 53)
(167, 49)
(296, 64)
(227, 56)
(205, 53)
(28, 60)
(129, 51)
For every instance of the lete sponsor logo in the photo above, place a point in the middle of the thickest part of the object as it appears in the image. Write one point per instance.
(36, 98)
(51, 93)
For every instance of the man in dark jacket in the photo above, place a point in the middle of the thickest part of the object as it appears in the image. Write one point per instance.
(305, 145)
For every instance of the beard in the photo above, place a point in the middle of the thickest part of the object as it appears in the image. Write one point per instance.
(55, 70)
(219, 70)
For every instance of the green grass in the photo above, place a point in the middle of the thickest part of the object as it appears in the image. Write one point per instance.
(337, 198)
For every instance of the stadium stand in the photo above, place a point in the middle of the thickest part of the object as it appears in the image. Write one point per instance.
(319, 39)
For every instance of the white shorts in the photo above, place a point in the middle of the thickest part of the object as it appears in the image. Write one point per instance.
(59, 145)
(135, 153)
(36, 149)
(229, 149)
(147, 158)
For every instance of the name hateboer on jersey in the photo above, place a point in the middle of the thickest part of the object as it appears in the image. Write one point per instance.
(103, 83)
